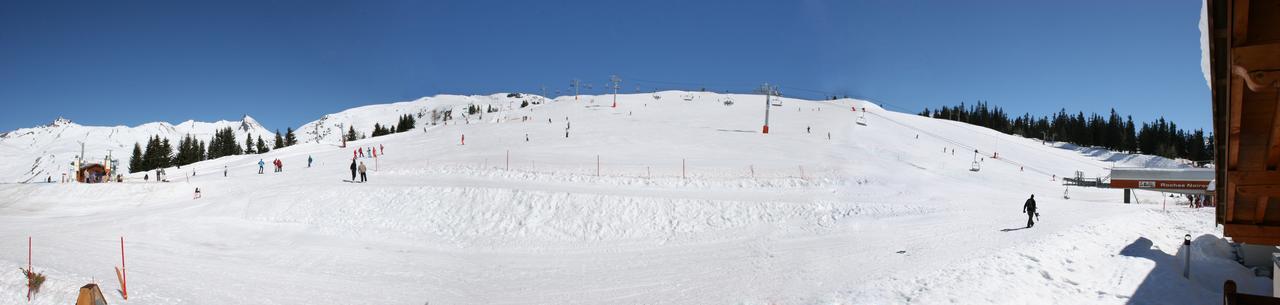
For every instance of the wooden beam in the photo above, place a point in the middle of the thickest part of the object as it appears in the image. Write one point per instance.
(1233, 135)
(1273, 141)
(1235, 230)
(1231, 200)
(1259, 190)
(1255, 177)
(1257, 65)
(1260, 210)
(1259, 56)
(1239, 22)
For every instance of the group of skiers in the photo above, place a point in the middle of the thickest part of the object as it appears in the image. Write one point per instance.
(371, 152)
(277, 164)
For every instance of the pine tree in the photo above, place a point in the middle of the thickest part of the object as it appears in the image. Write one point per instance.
(289, 138)
(248, 144)
(135, 161)
(351, 133)
(262, 146)
(279, 143)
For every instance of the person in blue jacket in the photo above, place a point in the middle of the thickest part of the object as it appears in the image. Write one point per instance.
(260, 165)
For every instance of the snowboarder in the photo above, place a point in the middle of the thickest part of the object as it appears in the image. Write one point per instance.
(261, 165)
(363, 171)
(1030, 208)
(309, 161)
(353, 169)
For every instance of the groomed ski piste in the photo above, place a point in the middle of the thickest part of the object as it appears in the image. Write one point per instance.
(669, 198)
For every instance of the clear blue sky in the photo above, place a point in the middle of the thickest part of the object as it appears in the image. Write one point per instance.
(289, 62)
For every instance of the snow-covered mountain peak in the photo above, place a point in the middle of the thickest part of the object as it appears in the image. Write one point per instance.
(61, 121)
(247, 123)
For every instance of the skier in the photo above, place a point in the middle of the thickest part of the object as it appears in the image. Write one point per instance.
(807, 129)
(224, 170)
(353, 154)
(383, 149)
(363, 170)
(1030, 208)
(353, 169)
(308, 161)
(261, 165)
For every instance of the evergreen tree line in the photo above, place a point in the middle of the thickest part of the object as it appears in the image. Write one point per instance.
(405, 123)
(159, 154)
(1113, 132)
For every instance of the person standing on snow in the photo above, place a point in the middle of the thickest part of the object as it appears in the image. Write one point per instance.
(308, 161)
(353, 169)
(363, 170)
(1030, 209)
(383, 149)
(260, 165)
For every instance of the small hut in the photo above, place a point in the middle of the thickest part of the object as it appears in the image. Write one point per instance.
(90, 294)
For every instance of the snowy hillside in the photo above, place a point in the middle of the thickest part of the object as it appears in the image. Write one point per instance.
(37, 153)
(329, 128)
(669, 198)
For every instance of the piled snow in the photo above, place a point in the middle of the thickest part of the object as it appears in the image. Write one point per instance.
(672, 197)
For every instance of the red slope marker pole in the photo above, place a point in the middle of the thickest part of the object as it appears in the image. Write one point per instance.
(124, 273)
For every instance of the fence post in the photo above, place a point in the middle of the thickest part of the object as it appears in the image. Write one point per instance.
(508, 160)
(753, 171)
(801, 171)
(597, 165)
(683, 171)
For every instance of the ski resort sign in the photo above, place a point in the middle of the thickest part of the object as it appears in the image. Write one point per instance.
(1173, 179)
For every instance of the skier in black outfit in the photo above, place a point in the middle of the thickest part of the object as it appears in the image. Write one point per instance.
(1030, 209)
(353, 170)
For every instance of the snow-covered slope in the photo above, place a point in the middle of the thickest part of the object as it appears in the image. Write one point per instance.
(669, 198)
(330, 127)
(36, 153)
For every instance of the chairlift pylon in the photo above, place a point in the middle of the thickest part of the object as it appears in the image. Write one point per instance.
(975, 166)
